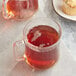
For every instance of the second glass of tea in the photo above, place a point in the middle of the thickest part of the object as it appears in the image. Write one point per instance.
(40, 45)
(19, 9)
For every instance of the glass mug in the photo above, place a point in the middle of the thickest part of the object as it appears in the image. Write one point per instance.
(40, 45)
(19, 9)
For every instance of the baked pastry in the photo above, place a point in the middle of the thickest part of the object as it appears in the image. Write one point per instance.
(69, 7)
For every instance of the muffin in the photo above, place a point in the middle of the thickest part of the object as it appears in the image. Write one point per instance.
(69, 7)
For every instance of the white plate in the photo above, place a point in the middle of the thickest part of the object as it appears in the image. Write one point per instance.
(57, 6)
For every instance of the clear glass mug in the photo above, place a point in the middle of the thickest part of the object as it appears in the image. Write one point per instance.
(35, 56)
(19, 9)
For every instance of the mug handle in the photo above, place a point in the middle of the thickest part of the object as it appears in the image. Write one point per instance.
(19, 50)
(27, 4)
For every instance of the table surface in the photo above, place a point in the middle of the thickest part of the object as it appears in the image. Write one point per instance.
(10, 31)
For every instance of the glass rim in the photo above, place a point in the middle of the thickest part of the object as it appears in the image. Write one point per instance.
(31, 45)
